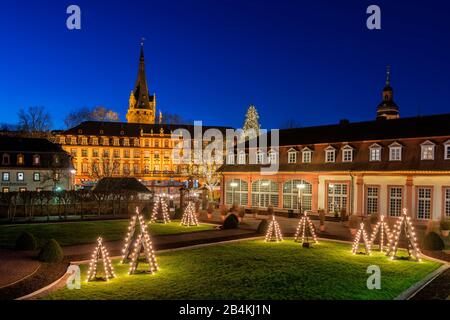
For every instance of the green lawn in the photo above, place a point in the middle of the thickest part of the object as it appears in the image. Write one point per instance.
(87, 232)
(258, 270)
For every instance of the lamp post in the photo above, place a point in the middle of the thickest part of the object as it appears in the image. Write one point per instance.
(300, 188)
(233, 185)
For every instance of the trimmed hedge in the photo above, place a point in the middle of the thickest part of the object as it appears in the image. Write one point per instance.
(433, 241)
(262, 227)
(26, 241)
(51, 252)
(231, 222)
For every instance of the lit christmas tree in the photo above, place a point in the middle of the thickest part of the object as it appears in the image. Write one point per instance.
(100, 253)
(273, 231)
(142, 242)
(404, 224)
(189, 218)
(381, 228)
(304, 229)
(251, 125)
(361, 233)
(160, 206)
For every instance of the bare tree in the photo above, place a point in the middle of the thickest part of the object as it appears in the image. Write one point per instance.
(104, 168)
(34, 121)
(291, 124)
(99, 113)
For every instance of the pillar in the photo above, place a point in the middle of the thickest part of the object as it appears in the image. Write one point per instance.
(409, 195)
(249, 192)
(359, 195)
(315, 194)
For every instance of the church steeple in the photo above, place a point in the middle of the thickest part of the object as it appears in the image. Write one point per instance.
(142, 105)
(388, 109)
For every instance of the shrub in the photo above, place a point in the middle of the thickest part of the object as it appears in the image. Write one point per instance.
(234, 208)
(343, 215)
(353, 222)
(270, 210)
(231, 222)
(51, 252)
(262, 227)
(373, 218)
(445, 224)
(210, 208)
(432, 241)
(224, 211)
(178, 214)
(26, 241)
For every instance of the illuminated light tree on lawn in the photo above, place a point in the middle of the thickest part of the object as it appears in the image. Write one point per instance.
(189, 218)
(160, 204)
(381, 228)
(142, 243)
(304, 228)
(100, 253)
(361, 233)
(404, 224)
(273, 233)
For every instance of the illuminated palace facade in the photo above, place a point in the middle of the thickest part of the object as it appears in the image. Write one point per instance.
(141, 147)
(374, 167)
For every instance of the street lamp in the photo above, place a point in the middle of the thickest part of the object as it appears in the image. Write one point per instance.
(300, 188)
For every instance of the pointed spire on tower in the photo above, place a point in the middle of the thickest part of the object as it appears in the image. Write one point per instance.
(388, 109)
(388, 76)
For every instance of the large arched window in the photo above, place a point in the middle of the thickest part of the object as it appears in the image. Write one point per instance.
(236, 192)
(264, 193)
(291, 193)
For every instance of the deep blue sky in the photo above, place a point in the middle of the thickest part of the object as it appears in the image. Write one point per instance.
(312, 61)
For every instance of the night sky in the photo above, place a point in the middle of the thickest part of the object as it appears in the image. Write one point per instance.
(311, 61)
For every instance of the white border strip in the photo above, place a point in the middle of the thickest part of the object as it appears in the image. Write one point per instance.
(31, 295)
(21, 279)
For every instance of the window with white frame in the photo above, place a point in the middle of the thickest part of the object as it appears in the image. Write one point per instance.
(307, 156)
(36, 160)
(372, 194)
(273, 157)
(73, 140)
(337, 197)
(242, 157)
(447, 202)
(347, 154)
(259, 157)
(62, 140)
(264, 193)
(395, 152)
(330, 155)
(447, 150)
(84, 141)
(424, 198)
(236, 192)
(95, 141)
(395, 201)
(427, 150)
(230, 158)
(292, 156)
(126, 142)
(375, 153)
(293, 193)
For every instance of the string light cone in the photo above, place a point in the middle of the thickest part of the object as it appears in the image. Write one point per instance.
(381, 228)
(404, 224)
(137, 241)
(160, 206)
(361, 233)
(304, 229)
(100, 253)
(273, 231)
(189, 218)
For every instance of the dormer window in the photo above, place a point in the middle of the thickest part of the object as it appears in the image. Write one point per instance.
(6, 159)
(347, 154)
(395, 152)
(427, 150)
(273, 156)
(20, 160)
(241, 157)
(330, 154)
(292, 156)
(447, 150)
(259, 157)
(56, 159)
(36, 160)
(230, 158)
(375, 152)
(306, 155)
